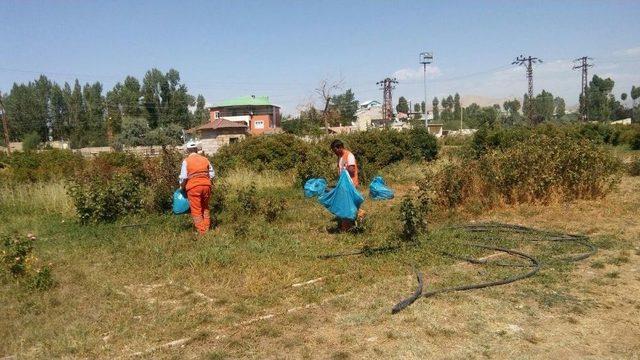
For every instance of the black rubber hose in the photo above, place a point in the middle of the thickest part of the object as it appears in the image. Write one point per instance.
(416, 294)
(535, 264)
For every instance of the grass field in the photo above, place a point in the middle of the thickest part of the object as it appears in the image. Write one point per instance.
(254, 288)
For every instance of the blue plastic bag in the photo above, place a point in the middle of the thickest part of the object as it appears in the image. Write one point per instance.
(314, 187)
(344, 200)
(378, 190)
(180, 202)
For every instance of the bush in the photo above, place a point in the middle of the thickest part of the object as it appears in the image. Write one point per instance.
(538, 169)
(31, 141)
(100, 199)
(373, 149)
(279, 152)
(412, 216)
(160, 178)
(273, 207)
(22, 167)
(19, 260)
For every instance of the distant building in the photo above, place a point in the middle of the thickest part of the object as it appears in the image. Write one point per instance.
(369, 104)
(369, 115)
(435, 129)
(256, 112)
(217, 133)
(626, 121)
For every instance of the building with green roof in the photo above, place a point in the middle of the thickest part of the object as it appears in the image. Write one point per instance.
(256, 112)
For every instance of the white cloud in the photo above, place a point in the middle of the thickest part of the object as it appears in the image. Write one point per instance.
(409, 74)
(628, 52)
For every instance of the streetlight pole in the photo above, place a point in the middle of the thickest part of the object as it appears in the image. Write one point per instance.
(425, 58)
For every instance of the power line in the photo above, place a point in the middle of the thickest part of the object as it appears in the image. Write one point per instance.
(388, 85)
(583, 66)
(528, 63)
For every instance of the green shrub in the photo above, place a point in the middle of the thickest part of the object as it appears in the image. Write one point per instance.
(373, 149)
(20, 261)
(45, 165)
(105, 200)
(248, 200)
(160, 180)
(279, 152)
(273, 207)
(412, 217)
(31, 141)
(539, 169)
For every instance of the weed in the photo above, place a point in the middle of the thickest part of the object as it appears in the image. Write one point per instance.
(247, 199)
(612, 275)
(597, 264)
(273, 207)
(412, 217)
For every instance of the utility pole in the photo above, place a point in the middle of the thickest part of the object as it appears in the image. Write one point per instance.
(425, 59)
(583, 65)
(388, 85)
(528, 63)
(5, 125)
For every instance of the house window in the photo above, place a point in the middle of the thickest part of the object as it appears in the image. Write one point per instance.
(233, 140)
(259, 124)
(216, 114)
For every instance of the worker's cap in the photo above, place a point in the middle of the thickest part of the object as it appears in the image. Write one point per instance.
(191, 145)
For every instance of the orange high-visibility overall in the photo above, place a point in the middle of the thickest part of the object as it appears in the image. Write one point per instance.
(198, 189)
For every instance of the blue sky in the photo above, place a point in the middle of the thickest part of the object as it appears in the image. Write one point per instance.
(284, 48)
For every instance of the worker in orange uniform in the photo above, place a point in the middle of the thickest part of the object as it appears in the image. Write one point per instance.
(195, 180)
(346, 161)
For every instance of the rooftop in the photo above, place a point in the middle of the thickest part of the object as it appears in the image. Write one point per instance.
(246, 101)
(218, 124)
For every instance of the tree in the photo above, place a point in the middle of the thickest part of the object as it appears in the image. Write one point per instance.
(403, 105)
(623, 97)
(600, 101)
(201, 115)
(166, 100)
(134, 131)
(436, 110)
(456, 107)
(560, 107)
(346, 106)
(325, 90)
(423, 107)
(512, 108)
(543, 107)
(416, 111)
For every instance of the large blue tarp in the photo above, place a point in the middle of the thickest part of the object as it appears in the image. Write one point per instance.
(180, 202)
(314, 187)
(378, 190)
(344, 200)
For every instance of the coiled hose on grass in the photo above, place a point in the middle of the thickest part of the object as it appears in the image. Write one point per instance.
(534, 264)
(500, 227)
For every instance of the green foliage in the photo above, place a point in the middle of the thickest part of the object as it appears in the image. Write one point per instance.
(346, 105)
(18, 259)
(159, 180)
(134, 131)
(248, 200)
(274, 152)
(105, 200)
(373, 150)
(520, 168)
(272, 208)
(21, 167)
(16, 254)
(412, 217)
(31, 141)
(403, 105)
